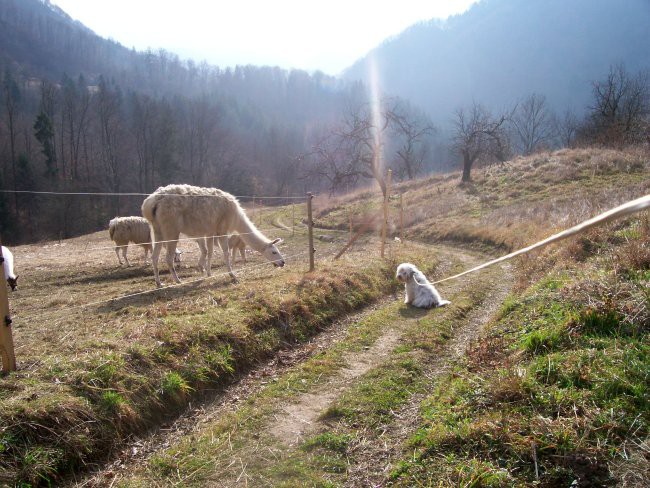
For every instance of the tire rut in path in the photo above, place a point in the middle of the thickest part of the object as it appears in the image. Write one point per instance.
(375, 457)
(300, 418)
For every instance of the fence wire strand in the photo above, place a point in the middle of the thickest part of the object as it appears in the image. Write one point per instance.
(133, 194)
(180, 239)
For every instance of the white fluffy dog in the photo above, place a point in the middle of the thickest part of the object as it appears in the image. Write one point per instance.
(419, 292)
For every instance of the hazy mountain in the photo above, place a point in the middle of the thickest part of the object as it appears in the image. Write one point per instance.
(82, 113)
(502, 50)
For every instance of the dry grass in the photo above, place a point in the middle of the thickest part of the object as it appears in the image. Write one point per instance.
(508, 206)
(102, 354)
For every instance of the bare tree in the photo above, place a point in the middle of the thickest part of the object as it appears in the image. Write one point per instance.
(199, 126)
(75, 113)
(109, 114)
(355, 149)
(412, 130)
(621, 106)
(12, 97)
(351, 152)
(480, 136)
(567, 128)
(533, 124)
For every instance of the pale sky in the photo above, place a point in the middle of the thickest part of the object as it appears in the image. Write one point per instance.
(327, 35)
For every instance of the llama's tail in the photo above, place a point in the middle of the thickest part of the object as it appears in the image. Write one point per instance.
(149, 208)
(149, 212)
(111, 228)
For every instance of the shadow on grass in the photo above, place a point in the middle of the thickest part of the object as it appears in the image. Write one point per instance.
(411, 312)
(146, 297)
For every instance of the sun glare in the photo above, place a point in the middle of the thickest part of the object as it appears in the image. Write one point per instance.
(375, 107)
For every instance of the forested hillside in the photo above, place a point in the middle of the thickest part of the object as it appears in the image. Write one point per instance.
(83, 114)
(500, 51)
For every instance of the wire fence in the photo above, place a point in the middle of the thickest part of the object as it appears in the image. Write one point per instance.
(134, 194)
(618, 212)
(180, 239)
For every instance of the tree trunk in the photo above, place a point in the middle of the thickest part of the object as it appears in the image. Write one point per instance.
(467, 168)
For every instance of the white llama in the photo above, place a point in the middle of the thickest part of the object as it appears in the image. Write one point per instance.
(199, 213)
(130, 229)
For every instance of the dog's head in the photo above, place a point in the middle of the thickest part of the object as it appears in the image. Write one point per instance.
(405, 271)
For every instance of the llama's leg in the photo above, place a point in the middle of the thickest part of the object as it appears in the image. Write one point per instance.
(204, 253)
(208, 262)
(223, 242)
(233, 255)
(171, 252)
(117, 253)
(242, 251)
(124, 249)
(155, 254)
(146, 253)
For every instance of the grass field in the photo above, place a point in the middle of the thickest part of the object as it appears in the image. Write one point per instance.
(562, 360)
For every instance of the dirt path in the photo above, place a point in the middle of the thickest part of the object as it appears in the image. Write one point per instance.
(298, 418)
(375, 459)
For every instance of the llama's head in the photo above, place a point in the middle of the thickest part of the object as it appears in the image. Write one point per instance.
(404, 272)
(272, 253)
(13, 283)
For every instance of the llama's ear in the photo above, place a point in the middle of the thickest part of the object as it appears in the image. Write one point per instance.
(276, 241)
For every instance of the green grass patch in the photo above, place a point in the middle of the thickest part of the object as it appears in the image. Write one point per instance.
(569, 388)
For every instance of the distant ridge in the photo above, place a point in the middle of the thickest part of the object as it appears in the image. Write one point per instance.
(500, 51)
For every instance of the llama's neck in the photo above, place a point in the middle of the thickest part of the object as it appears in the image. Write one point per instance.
(250, 235)
(8, 263)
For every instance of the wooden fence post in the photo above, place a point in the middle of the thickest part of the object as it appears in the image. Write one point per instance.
(6, 337)
(310, 226)
(401, 219)
(384, 227)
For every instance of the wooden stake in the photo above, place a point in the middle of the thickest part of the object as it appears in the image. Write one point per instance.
(310, 227)
(361, 230)
(401, 219)
(6, 337)
(384, 227)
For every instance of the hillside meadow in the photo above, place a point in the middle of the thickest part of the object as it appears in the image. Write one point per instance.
(93, 373)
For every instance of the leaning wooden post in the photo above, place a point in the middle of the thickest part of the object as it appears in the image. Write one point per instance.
(310, 227)
(401, 219)
(6, 337)
(384, 226)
